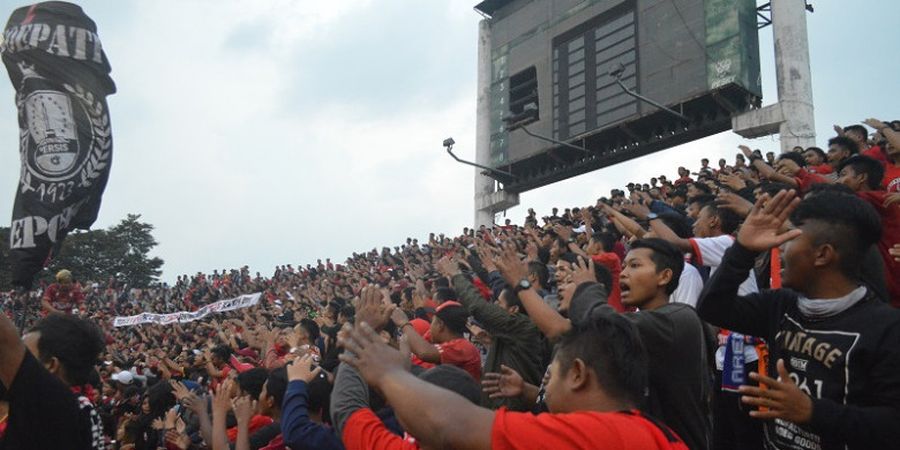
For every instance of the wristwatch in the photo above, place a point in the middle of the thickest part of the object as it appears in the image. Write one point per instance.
(523, 285)
(652, 216)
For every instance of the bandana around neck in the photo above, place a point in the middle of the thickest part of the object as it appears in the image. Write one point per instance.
(823, 308)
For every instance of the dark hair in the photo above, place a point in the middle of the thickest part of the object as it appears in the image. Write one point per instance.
(851, 226)
(678, 224)
(444, 294)
(454, 317)
(795, 157)
(702, 188)
(544, 255)
(702, 199)
(408, 292)
(606, 239)
(222, 351)
(312, 329)
(539, 270)
(664, 256)
(859, 129)
(513, 300)
(729, 221)
(817, 151)
(845, 142)
(454, 379)
(276, 385)
(609, 344)
(348, 311)
(161, 399)
(773, 188)
(860, 164)
(601, 273)
(252, 381)
(75, 342)
(319, 391)
(819, 188)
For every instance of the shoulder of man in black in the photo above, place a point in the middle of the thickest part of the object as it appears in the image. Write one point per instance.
(43, 412)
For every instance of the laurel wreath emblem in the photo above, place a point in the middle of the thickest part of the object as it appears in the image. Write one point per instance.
(101, 147)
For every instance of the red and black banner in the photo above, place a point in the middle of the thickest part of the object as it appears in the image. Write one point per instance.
(61, 76)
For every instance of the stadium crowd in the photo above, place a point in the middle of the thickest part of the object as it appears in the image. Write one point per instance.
(743, 306)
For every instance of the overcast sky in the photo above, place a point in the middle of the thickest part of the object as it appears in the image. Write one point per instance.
(281, 131)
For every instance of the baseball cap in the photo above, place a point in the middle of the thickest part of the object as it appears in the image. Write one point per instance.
(124, 377)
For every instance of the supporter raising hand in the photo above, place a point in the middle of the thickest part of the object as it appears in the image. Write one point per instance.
(372, 309)
(373, 358)
(448, 265)
(762, 229)
(303, 369)
(584, 272)
(510, 266)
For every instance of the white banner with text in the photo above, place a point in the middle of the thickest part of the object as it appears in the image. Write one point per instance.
(230, 304)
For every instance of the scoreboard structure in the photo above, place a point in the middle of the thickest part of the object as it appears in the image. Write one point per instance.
(563, 74)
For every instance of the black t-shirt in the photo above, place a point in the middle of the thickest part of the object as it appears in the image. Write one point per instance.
(43, 412)
(678, 370)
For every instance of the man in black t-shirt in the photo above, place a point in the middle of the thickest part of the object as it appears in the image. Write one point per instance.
(834, 377)
(44, 413)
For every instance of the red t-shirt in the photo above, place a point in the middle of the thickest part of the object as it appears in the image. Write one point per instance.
(891, 180)
(256, 422)
(215, 381)
(275, 444)
(64, 298)
(580, 430)
(890, 235)
(463, 354)
(875, 152)
(365, 431)
(613, 263)
(806, 179)
(821, 169)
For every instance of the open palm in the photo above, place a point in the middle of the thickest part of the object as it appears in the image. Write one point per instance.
(762, 229)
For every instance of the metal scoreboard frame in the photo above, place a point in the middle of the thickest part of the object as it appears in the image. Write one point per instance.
(553, 58)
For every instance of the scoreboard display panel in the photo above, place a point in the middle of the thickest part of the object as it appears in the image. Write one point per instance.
(556, 63)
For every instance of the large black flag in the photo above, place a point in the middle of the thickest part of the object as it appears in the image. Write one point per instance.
(61, 76)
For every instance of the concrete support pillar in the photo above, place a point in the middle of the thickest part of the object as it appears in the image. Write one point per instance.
(793, 75)
(792, 117)
(488, 200)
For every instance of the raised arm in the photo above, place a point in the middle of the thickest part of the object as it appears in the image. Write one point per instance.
(719, 303)
(549, 321)
(417, 344)
(12, 351)
(494, 318)
(892, 136)
(766, 171)
(436, 417)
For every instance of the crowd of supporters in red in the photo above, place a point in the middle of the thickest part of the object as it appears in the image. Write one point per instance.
(743, 306)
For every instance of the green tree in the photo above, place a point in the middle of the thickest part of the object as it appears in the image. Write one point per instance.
(99, 254)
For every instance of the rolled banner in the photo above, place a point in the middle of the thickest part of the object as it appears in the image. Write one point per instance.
(61, 75)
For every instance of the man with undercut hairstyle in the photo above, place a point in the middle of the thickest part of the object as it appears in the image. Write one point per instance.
(834, 381)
